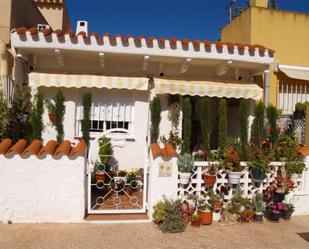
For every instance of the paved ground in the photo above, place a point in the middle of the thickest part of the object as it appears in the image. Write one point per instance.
(146, 235)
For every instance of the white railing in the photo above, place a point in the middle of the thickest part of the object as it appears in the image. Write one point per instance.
(196, 185)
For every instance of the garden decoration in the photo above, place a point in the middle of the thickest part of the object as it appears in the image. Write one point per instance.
(185, 165)
(259, 207)
(210, 175)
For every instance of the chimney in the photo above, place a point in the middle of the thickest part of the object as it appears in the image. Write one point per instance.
(82, 26)
(259, 3)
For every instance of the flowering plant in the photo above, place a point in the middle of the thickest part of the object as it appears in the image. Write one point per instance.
(278, 208)
(212, 169)
(231, 159)
(200, 155)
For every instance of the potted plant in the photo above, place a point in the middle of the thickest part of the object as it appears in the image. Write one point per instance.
(51, 107)
(231, 163)
(259, 164)
(210, 175)
(259, 207)
(214, 200)
(105, 153)
(294, 169)
(199, 155)
(274, 211)
(204, 211)
(186, 212)
(287, 211)
(185, 165)
(195, 220)
(300, 110)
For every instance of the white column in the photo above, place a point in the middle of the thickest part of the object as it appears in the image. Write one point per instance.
(267, 85)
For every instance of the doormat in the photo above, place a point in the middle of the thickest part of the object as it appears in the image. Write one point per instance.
(305, 236)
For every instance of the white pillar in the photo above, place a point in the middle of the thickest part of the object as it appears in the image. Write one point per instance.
(267, 85)
(3, 59)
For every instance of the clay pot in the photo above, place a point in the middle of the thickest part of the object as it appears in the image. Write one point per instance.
(99, 176)
(209, 180)
(206, 217)
(218, 205)
(52, 117)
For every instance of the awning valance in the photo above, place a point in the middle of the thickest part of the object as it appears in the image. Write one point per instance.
(207, 88)
(295, 72)
(78, 81)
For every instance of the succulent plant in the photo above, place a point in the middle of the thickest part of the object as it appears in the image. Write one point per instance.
(258, 203)
(185, 163)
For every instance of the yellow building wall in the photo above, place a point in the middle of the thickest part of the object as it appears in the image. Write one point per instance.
(283, 31)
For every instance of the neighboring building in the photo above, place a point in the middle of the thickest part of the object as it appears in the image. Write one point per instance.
(25, 13)
(285, 32)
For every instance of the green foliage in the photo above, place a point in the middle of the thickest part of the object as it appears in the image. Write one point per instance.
(155, 108)
(243, 119)
(290, 207)
(172, 222)
(212, 198)
(195, 217)
(257, 131)
(159, 213)
(105, 151)
(173, 139)
(239, 204)
(259, 159)
(4, 116)
(19, 125)
(258, 202)
(273, 115)
(86, 123)
(185, 163)
(36, 116)
(174, 114)
(205, 120)
(222, 127)
(295, 167)
(59, 115)
(187, 125)
(51, 108)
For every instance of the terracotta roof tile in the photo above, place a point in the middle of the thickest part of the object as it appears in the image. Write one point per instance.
(33, 148)
(63, 148)
(18, 147)
(150, 39)
(166, 152)
(5, 145)
(79, 149)
(49, 148)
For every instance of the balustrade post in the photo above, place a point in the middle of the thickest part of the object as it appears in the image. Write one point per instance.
(198, 180)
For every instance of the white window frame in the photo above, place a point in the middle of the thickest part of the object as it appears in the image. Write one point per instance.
(96, 104)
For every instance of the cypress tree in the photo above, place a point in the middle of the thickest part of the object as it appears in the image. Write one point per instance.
(155, 109)
(86, 123)
(243, 118)
(222, 129)
(205, 120)
(257, 131)
(36, 117)
(187, 112)
(59, 115)
(273, 114)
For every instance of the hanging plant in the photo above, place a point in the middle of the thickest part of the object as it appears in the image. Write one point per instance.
(174, 114)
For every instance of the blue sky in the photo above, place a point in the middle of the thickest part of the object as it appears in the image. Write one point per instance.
(193, 19)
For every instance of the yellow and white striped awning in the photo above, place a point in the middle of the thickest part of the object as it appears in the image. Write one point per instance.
(207, 88)
(78, 81)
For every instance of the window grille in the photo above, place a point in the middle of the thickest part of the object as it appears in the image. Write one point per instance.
(111, 108)
(290, 93)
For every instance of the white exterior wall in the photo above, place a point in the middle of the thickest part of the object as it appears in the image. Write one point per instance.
(42, 190)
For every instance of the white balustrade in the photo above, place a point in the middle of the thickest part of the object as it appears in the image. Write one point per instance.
(196, 185)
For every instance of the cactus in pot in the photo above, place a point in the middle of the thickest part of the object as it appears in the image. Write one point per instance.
(185, 165)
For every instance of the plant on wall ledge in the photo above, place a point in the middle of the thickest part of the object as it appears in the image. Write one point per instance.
(86, 123)
(222, 129)
(36, 116)
(155, 109)
(59, 115)
(205, 119)
(187, 113)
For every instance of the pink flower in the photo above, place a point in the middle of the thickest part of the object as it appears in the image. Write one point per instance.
(201, 153)
(275, 211)
(274, 206)
(285, 208)
(280, 206)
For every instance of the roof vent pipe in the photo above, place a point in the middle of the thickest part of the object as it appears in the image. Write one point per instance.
(82, 26)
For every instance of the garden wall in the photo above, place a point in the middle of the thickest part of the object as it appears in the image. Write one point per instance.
(42, 190)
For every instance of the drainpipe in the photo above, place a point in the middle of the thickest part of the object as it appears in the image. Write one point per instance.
(3, 59)
(267, 85)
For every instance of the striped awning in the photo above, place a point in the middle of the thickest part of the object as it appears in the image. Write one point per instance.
(78, 81)
(207, 88)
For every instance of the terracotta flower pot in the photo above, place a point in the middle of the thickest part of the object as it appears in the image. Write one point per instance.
(196, 223)
(209, 180)
(206, 217)
(218, 205)
(52, 117)
(99, 176)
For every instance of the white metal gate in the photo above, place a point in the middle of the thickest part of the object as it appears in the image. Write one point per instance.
(113, 188)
